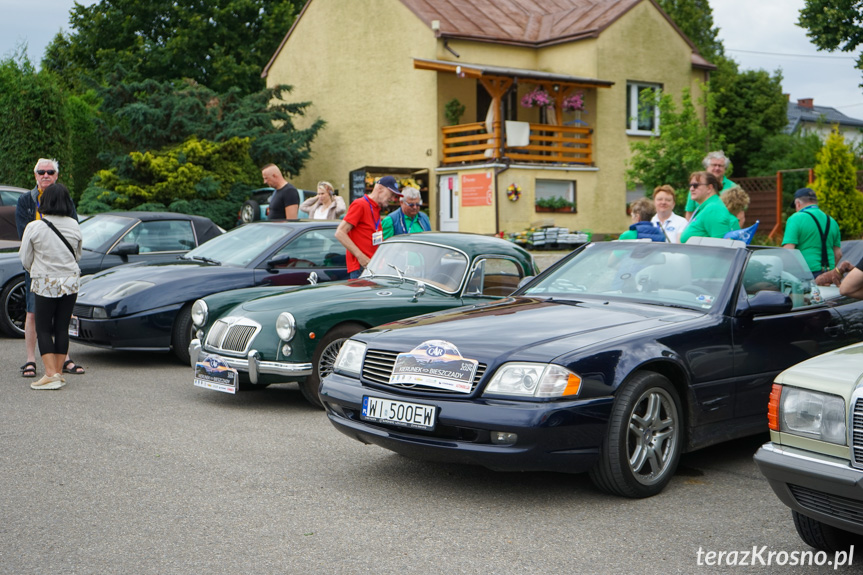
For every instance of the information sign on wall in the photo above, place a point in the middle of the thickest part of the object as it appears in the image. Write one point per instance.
(476, 189)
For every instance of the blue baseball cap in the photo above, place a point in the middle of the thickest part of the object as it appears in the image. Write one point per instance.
(390, 183)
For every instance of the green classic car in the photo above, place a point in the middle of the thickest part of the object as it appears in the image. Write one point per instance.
(273, 335)
(814, 461)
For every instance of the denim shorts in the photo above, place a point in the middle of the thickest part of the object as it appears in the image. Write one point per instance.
(29, 296)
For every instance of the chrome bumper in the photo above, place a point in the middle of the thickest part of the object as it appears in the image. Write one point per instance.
(252, 364)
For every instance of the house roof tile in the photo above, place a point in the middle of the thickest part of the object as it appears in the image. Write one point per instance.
(799, 114)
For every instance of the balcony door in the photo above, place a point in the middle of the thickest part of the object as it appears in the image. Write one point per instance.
(448, 193)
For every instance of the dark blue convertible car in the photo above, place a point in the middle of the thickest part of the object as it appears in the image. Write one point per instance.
(613, 362)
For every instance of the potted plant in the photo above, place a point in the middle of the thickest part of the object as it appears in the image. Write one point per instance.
(554, 204)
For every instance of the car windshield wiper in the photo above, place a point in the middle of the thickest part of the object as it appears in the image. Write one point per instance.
(398, 271)
(204, 259)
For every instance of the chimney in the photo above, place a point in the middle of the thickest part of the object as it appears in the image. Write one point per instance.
(805, 103)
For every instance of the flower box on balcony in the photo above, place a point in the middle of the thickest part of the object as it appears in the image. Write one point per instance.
(554, 204)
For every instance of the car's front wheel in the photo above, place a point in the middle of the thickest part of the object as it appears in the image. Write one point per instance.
(644, 439)
(14, 308)
(181, 336)
(823, 536)
(324, 358)
(250, 212)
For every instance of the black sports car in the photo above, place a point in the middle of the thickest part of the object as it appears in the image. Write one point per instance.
(149, 306)
(615, 361)
(110, 239)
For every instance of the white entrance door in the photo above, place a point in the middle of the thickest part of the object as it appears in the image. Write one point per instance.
(449, 201)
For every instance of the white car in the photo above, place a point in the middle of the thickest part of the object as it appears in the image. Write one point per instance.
(814, 461)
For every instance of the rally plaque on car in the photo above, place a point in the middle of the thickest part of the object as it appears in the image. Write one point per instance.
(213, 373)
(435, 363)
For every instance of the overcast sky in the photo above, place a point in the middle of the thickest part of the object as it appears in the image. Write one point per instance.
(759, 34)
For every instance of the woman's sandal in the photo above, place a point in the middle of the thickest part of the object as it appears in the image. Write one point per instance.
(76, 369)
(28, 369)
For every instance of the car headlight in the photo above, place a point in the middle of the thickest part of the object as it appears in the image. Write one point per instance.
(286, 326)
(100, 313)
(812, 414)
(126, 289)
(533, 380)
(199, 313)
(350, 358)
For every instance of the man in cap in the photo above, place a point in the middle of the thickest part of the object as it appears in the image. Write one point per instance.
(812, 232)
(360, 231)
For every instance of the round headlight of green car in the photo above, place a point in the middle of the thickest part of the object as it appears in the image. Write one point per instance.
(199, 313)
(286, 326)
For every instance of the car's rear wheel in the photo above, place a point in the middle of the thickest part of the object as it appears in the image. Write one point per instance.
(250, 212)
(14, 308)
(823, 536)
(642, 446)
(181, 336)
(324, 358)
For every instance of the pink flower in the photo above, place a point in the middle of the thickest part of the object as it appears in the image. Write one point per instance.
(574, 103)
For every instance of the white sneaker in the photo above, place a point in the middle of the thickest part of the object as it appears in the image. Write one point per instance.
(47, 382)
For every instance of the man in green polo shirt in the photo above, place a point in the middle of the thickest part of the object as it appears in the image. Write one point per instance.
(716, 163)
(711, 218)
(407, 219)
(812, 232)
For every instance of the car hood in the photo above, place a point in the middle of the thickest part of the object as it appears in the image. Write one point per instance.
(344, 293)
(836, 372)
(527, 329)
(98, 290)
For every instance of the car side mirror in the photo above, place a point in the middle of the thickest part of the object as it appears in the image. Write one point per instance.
(765, 303)
(126, 249)
(279, 261)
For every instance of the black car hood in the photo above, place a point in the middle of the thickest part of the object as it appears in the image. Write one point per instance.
(527, 329)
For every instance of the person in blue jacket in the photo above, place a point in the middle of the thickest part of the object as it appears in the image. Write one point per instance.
(642, 210)
(407, 219)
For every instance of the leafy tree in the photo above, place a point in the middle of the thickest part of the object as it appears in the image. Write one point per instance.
(675, 153)
(835, 184)
(695, 19)
(34, 121)
(151, 115)
(834, 25)
(222, 44)
(86, 142)
(748, 108)
(196, 177)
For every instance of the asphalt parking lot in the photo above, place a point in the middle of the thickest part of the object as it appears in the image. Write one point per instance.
(132, 469)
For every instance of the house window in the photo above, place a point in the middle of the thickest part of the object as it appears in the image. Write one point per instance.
(642, 113)
(547, 189)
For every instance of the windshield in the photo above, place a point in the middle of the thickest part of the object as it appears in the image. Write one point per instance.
(241, 246)
(662, 273)
(440, 266)
(99, 229)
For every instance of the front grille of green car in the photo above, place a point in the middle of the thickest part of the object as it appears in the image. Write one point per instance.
(378, 366)
(232, 335)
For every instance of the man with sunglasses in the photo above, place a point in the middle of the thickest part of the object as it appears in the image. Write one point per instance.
(46, 173)
(407, 219)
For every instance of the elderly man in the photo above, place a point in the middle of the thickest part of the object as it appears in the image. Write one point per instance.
(46, 173)
(812, 232)
(716, 163)
(360, 231)
(285, 201)
(407, 219)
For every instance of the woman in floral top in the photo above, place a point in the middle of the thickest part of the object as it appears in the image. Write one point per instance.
(50, 250)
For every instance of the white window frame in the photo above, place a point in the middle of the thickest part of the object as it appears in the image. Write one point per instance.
(632, 91)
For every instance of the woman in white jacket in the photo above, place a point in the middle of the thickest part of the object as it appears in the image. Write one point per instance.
(50, 250)
(326, 205)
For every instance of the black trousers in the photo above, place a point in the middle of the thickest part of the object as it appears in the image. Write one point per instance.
(52, 322)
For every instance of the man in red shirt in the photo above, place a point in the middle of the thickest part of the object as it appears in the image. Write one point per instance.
(360, 231)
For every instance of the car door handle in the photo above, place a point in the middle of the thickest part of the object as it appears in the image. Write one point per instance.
(834, 330)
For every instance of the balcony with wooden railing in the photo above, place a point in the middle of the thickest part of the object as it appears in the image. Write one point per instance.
(548, 144)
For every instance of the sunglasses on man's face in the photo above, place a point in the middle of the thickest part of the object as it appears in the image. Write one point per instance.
(43, 172)
(412, 205)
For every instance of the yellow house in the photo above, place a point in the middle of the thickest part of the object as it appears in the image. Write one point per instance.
(383, 74)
